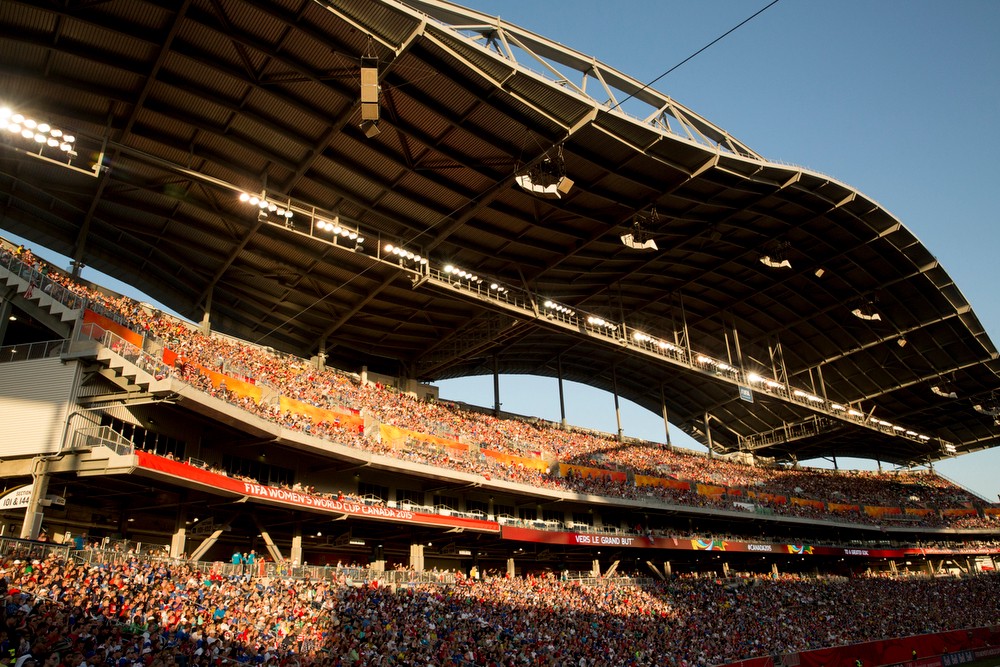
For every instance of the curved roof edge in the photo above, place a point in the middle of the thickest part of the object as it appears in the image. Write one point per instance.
(507, 40)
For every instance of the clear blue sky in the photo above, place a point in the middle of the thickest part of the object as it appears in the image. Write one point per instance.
(898, 99)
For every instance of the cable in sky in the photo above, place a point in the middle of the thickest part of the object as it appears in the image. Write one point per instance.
(714, 41)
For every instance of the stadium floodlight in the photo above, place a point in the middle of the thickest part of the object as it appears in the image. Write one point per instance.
(457, 275)
(770, 262)
(404, 254)
(266, 206)
(43, 141)
(639, 238)
(991, 408)
(553, 307)
(866, 311)
(870, 316)
(637, 242)
(777, 257)
(40, 132)
(812, 398)
(342, 231)
(547, 178)
(944, 390)
(600, 323)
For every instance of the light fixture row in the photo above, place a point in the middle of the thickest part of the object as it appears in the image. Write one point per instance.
(266, 205)
(641, 337)
(558, 308)
(773, 385)
(337, 229)
(456, 272)
(403, 253)
(552, 306)
(720, 366)
(40, 132)
(600, 323)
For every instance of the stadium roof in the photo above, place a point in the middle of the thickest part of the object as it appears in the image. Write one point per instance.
(186, 106)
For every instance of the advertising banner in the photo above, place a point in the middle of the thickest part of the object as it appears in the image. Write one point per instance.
(271, 494)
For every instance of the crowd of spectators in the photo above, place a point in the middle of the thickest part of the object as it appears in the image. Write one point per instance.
(345, 395)
(139, 613)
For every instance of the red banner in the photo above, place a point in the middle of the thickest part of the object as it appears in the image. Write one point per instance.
(271, 494)
(700, 544)
(945, 648)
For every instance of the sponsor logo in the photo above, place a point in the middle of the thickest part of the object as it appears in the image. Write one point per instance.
(709, 545)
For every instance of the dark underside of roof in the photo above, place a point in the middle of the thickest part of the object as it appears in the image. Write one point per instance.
(189, 99)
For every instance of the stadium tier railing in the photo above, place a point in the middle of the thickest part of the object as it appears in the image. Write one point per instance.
(35, 273)
(102, 436)
(159, 370)
(37, 279)
(26, 351)
(30, 550)
(116, 552)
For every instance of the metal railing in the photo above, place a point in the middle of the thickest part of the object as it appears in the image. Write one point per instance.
(29, 550)
(128, 351)
(102, 436)
(42, 350)
(114, 552)
(39, 282)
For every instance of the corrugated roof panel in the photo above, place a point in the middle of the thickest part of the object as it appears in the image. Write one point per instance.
(204, 80)
(100, 75)
(27, 19)
(136, 46)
